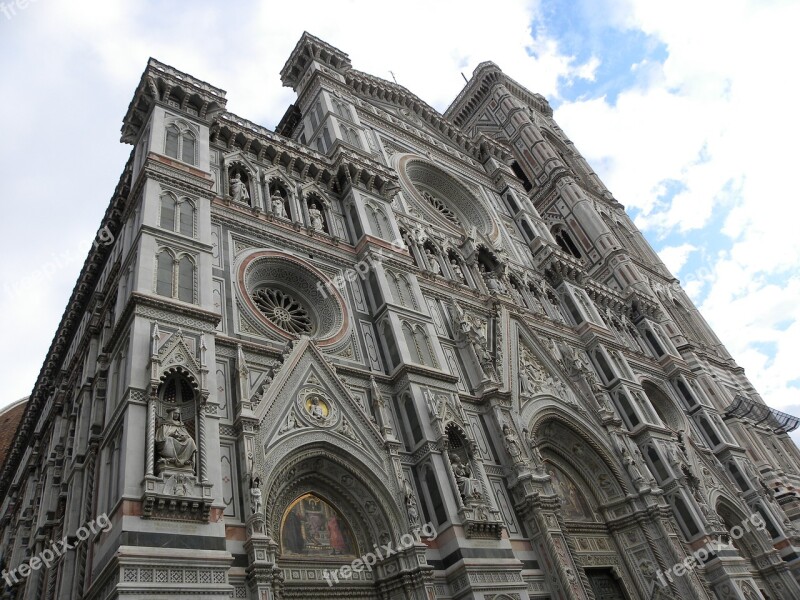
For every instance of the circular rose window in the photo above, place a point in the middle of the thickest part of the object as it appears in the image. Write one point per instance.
(292, 298)
(283, 310)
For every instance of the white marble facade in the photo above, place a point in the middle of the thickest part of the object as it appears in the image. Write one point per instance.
(384, 353)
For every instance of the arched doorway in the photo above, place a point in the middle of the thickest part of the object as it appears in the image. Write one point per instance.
(324, 511)
(582, 480)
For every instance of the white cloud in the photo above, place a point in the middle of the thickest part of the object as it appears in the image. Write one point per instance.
(676, 256)
(716, 121)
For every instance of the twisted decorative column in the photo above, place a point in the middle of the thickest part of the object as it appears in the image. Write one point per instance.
(201, 434)
(151, 433)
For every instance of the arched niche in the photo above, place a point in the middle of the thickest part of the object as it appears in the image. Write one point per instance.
(559, 439)
(364, 506)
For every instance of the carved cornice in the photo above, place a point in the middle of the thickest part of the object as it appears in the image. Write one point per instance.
(310, 48)
(347, 167)
(485, 77)
(198, 98)
(369, 86)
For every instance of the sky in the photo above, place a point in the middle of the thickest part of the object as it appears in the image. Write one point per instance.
(686, 110)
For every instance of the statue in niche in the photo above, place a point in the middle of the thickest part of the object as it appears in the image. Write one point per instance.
(175, 448)
(314, 214)
(512, 445)
(468, 486)
(493, 284)
(256, 503)
(472, 328)
(411, 503)
(435, 268)
(630, 464)
(457, 272)
(278, 208)
(238, 189)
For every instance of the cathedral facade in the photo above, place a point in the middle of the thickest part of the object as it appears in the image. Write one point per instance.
(385, 353)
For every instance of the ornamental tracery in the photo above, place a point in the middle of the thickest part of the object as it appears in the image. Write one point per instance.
(291, 298)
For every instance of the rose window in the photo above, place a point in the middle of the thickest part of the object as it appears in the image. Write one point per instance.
(283, 310)
(441, 207)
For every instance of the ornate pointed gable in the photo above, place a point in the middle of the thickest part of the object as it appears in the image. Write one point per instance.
(308, 403)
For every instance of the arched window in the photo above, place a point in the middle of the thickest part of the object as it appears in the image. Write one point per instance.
(175, 278)
(402, 290)
(627, 410)
(164, 266)
(177, 215)
(186, 280)
(426, 355)
(186, 218)
(685, 517)
(180, 144)
(658, 464)
(411, 342)
(564, 240)
(168, 206)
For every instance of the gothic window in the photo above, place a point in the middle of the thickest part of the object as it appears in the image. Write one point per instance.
(564, 241)
(655, 460)
(685, 393)
(424, 346)
(168, 206)
(177, 215)
(434, 496)
(526, 183)
(709, 432)
(738, 477)
(175, 276)
(418, 345)
(401, 289)
(186, 220)
(414, 428)
(180, 144)
(511, 203)
(773, 531)
(654, 343)
(350, 136)
(685, 517)
(605, 369)
(526, 229)
(379, 222)
(411, 342)
(627, 410)
(283, 310)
